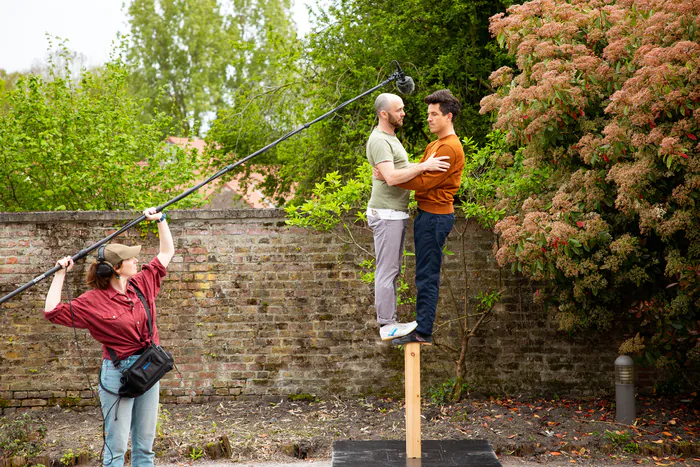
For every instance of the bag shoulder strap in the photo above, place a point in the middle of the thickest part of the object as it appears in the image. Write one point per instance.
(110, 351)
(145, 305)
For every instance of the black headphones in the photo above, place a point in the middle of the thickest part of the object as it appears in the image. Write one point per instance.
(103, 268)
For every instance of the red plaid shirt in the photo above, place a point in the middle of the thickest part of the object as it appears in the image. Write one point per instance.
(114, 319)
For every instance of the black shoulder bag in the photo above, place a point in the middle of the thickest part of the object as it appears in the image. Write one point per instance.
(148, 369)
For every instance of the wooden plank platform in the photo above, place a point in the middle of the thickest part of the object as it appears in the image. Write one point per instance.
(448, 453)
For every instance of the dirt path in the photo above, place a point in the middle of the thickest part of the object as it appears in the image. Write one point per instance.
(523, 432)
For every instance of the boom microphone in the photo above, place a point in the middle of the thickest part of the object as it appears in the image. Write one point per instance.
(404, 83)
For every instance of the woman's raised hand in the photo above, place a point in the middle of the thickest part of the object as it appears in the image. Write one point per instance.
(151, 214)
(65, 263)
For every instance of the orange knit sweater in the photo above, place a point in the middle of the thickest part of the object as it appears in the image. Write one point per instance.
(435, 190)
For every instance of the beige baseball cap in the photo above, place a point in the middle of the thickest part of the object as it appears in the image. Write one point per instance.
(115, 253)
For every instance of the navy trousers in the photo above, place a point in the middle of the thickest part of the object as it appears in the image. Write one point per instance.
(429, 234)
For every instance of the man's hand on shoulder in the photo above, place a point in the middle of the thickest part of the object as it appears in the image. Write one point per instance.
(435, 163)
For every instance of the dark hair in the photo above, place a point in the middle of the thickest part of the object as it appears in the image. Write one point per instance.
(95, 281)
(448, 102)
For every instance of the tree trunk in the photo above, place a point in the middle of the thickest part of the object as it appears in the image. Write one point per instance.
(460, 369)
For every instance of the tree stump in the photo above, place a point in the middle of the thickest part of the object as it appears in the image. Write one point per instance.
(213, 450)
(226, 446)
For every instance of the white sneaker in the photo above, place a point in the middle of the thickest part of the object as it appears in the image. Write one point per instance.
(392, 331)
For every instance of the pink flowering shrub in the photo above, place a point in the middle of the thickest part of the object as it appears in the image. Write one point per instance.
(605, 95)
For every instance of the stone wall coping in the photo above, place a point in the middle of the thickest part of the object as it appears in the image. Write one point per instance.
(178, 214)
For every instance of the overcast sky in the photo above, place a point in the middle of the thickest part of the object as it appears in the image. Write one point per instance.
(90, 26)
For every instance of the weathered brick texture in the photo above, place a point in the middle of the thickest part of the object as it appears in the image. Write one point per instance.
(254, 308)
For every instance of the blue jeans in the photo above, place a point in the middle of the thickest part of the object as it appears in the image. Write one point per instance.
(429, 234)
(136, 415)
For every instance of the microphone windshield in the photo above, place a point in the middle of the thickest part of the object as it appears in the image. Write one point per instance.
(405, 85)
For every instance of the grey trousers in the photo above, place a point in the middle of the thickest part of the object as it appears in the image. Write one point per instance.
(388, 248)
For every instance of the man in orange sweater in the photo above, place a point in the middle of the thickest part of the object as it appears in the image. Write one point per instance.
(435, 196)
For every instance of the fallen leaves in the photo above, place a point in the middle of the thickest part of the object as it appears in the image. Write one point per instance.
(573, 429)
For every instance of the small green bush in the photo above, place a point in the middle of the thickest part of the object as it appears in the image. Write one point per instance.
(21, 436)
(442, 393)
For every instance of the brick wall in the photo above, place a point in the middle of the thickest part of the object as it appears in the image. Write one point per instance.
(254, 308)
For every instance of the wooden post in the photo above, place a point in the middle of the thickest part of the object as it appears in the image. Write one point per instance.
(412, 370)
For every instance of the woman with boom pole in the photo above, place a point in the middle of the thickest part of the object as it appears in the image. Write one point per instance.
(115, 316)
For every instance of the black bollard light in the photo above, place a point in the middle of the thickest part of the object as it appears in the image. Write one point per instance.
(624, 390)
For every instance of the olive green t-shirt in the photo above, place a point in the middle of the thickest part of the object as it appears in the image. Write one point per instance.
(383, 147)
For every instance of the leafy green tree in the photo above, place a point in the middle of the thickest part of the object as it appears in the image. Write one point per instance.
(264, 108)
(440, 44)
(189, 56)
(605, 97)
(82, 146)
